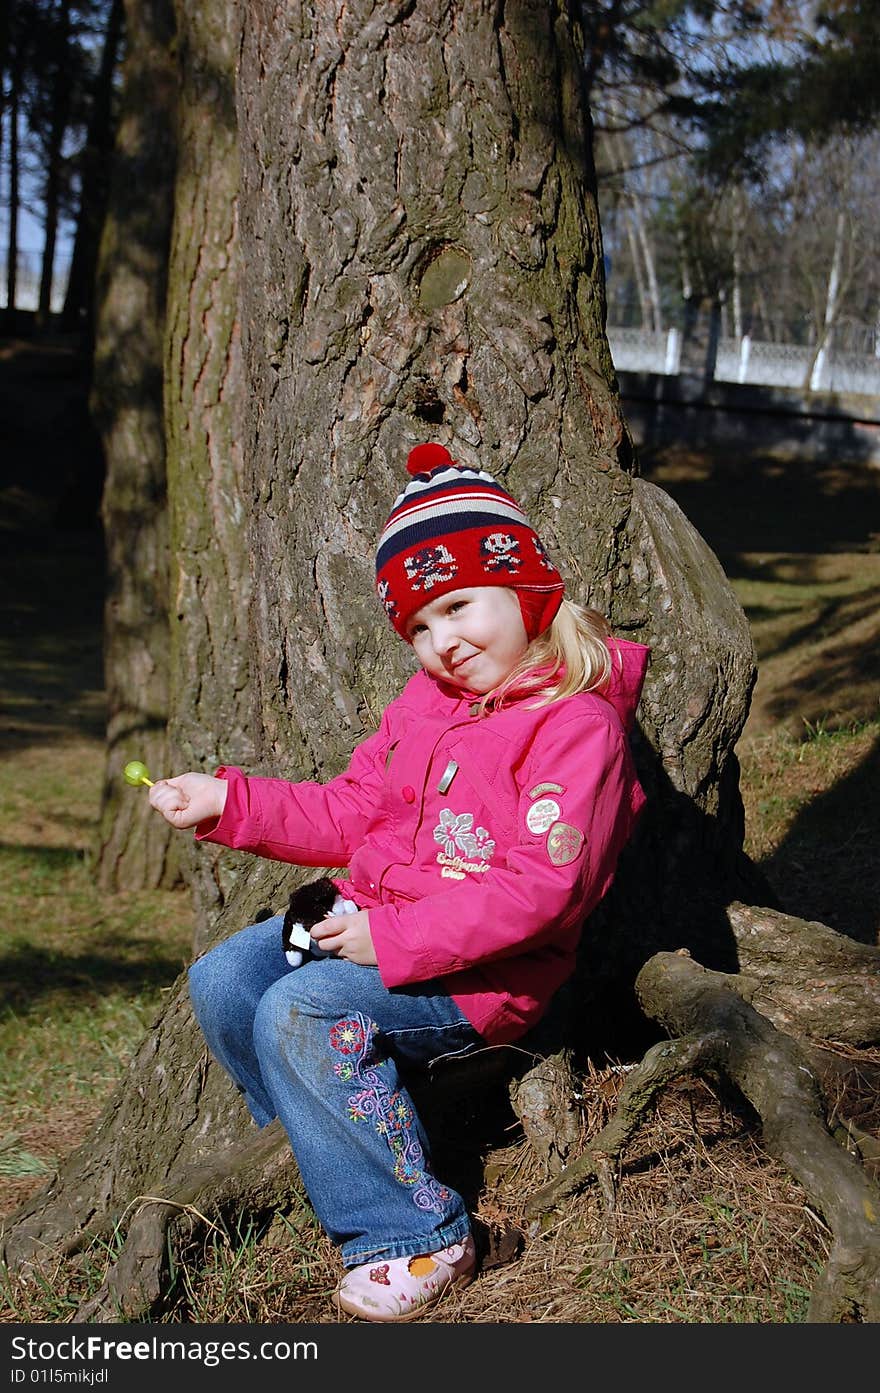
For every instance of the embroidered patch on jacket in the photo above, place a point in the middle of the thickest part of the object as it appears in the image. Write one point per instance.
(542, 815)
(389, 1111)
(464, 847)
(545, 788)
(564, 843)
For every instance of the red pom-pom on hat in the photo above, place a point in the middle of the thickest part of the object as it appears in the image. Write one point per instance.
(423, 458)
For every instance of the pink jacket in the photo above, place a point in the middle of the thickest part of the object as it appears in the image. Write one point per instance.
(478, 844)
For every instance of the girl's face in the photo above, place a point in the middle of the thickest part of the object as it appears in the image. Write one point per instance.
(471, 639)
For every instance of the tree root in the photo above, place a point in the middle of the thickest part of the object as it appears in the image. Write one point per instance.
(718, 1034)
(543, 1100)
(663, 1063)
(258, 1178)
(805, 977)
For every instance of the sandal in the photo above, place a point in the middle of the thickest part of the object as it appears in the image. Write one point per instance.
(404, 1287)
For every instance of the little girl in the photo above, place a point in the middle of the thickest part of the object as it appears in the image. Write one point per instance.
(480, 824)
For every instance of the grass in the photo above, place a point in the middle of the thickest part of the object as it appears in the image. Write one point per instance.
(707, 1228)
(82, 974)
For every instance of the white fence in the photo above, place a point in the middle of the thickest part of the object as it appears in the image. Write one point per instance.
(750, 360)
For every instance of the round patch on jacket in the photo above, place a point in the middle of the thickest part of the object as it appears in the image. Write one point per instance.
(564, 843)
(542, 815)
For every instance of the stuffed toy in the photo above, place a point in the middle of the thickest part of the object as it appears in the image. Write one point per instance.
(308, 906)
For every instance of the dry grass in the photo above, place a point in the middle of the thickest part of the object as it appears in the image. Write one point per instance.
(706, 1229)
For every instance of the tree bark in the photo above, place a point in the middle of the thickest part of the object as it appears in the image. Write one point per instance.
(830, 988)
(210, 597)
(136, 850)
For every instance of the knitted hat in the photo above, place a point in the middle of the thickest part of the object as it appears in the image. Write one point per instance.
(455, 528)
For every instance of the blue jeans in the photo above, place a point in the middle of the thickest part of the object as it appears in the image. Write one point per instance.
(319, 1046)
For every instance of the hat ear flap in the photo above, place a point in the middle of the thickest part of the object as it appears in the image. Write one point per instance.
(538, 609)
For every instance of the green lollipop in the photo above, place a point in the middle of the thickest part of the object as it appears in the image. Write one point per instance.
(136, 773)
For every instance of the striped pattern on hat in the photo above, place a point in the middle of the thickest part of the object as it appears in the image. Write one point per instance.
(454, 528)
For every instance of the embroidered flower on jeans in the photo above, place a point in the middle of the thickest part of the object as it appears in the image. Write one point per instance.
(390, 1112)
(348, 1037)
(400, 1111)
(357, 1112)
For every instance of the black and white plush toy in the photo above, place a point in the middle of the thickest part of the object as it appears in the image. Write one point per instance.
(308, 906)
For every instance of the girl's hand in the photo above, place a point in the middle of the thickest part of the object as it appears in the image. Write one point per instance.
(348, 936)
(189, 799)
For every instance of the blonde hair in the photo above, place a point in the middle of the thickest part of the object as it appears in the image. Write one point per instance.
(571, 656)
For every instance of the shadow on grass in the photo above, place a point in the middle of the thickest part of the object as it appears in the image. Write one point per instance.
(823, 671)
(31, 974)
(832, 618)
(834, 686)
(51, 664)
(827, 867)
(749, 503)
(52, 858)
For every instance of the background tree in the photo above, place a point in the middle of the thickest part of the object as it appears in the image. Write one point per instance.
(127, 407)
(14, 50)
(58, 64)
(58, 72)
(703, 122)
(94, 172)
(421, 258)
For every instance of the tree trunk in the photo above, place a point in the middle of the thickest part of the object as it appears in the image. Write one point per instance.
(78, 311)
(210, 598)
(54, 160)
(813, 380)
(136, 850)
(14, 196)
(420, 259)
(651, 272)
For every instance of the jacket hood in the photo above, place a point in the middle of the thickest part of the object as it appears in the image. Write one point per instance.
(629, 665)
